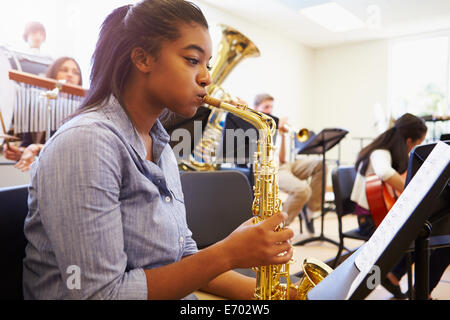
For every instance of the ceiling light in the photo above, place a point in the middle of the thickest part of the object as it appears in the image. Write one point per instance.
(333, 17)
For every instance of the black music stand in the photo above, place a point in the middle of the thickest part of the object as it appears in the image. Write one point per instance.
(436, 226)
(320, 144)
(241, 153)
(392, 238)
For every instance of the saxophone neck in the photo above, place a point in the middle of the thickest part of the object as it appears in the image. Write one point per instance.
(264, 123)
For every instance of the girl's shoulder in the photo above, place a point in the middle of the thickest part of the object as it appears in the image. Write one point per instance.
(381, 152)
(381, 155)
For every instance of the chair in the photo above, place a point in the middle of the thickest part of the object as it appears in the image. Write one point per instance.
(217, 202)
(13, 210)
(343, 179)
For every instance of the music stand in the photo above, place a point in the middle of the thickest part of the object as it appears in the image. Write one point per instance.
(436, 225)
(239, 146)
(355, 277)
(243, 147)
(320, 144)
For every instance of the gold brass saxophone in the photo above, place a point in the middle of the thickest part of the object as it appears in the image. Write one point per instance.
(269, 284)
(233, 48)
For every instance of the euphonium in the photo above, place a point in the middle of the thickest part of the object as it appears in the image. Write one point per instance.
(233, 48)
(267, 203)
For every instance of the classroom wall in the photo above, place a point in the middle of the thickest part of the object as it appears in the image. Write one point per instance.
(350, 83)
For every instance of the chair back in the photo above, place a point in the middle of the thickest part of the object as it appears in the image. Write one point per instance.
(13, 211)
(217, 202)
(343, 179)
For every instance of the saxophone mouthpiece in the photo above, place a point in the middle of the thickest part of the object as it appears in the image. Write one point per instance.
(212, 101)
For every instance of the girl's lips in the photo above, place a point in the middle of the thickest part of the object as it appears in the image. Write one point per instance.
(202, 95)
(200, 99)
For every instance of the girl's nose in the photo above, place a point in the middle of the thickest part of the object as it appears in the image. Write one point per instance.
(204, 78)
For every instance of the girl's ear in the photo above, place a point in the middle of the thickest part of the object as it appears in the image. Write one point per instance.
(141, 59)
(409, 143)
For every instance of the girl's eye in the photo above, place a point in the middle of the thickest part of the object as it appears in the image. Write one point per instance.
(193, 61)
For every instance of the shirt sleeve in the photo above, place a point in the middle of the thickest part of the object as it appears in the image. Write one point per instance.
(79, 178)
(381, 162)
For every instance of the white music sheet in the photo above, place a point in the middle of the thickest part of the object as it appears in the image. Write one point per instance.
(411, 197)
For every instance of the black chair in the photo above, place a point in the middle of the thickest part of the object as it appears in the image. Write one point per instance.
(216, 203)
(13, 210)
(343, 179)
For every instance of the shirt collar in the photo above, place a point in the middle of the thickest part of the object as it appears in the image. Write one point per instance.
(116, 113)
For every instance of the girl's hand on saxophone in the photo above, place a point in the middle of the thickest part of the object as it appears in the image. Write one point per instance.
(252, 245)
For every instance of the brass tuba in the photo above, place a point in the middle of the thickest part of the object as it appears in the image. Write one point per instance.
(269, 285)
(233, 48)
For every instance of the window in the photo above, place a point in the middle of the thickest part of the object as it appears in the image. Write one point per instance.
(419, 81)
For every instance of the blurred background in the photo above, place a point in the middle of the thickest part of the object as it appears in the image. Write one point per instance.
(352, 64)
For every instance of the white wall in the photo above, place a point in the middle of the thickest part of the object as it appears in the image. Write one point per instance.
(348, 81)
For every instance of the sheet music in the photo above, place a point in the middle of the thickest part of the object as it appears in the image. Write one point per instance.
(411, 197)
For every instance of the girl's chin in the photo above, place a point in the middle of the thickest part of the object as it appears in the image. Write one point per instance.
(188, 112)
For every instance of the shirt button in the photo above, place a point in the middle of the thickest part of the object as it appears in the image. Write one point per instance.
(181, 239)
(168, 199)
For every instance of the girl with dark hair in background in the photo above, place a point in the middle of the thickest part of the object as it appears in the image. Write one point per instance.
(107, 218)
(387, 157)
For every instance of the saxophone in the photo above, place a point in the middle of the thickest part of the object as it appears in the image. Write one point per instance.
(269, 284)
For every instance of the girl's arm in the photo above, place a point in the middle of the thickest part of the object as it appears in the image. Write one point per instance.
(381, 164)
(209, 269)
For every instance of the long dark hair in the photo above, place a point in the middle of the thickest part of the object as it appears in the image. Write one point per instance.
(145, 24)
(394, 140)
(53, 69)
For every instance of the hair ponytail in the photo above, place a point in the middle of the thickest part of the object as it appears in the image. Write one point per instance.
(105, 60)
(383, 141)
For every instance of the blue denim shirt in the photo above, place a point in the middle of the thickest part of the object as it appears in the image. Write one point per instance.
(99, 213)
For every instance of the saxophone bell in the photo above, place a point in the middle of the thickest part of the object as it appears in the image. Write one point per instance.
(314, 271)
